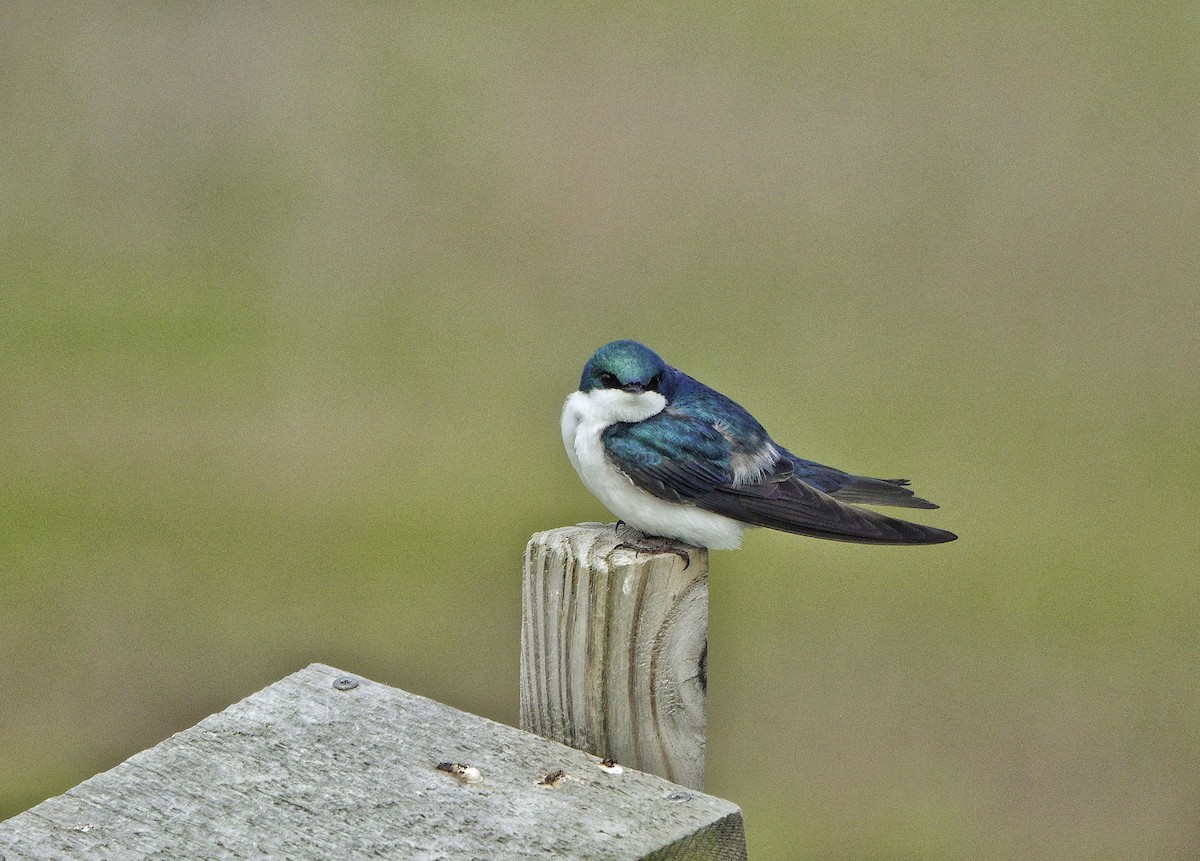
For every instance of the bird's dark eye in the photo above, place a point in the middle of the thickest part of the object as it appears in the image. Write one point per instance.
(655, 382)
(609, 381)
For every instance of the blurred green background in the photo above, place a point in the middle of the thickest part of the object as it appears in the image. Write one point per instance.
(293, 294)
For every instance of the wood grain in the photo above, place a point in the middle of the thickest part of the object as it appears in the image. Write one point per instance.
(614, 648)
(310, 769)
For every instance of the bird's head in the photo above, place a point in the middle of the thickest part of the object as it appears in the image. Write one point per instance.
(629, 367)
(624, 382)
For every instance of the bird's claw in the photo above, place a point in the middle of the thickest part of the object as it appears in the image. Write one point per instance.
(658, 548)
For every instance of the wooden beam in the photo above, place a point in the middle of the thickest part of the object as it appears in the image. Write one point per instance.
(614, 644)
(323, 764)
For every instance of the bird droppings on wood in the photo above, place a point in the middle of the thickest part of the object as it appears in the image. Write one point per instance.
(552, 779)
(461, 771)
(611, 766)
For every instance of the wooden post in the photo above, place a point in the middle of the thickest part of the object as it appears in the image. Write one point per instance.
(614, 646)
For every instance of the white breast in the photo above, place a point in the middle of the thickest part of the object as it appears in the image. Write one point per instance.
(584, 418)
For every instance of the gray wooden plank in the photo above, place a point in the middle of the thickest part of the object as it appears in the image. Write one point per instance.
(302, 769)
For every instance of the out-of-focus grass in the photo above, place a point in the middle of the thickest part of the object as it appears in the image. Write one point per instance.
(292, 300)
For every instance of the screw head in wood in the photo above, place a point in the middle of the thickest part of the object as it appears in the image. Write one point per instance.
(345, 683)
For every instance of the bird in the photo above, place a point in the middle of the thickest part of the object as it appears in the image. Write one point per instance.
(679, 461)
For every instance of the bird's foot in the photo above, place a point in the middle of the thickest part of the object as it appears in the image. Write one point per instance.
(662, 547)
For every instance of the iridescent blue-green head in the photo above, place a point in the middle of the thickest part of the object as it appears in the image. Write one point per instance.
(627, 366)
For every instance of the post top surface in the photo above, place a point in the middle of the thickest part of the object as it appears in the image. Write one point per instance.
(621, 543)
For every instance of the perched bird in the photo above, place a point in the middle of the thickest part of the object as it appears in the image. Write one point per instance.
(677, 460)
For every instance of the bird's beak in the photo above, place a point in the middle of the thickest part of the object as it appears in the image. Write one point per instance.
(633, 388)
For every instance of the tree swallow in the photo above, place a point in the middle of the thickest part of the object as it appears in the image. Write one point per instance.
(675, 459)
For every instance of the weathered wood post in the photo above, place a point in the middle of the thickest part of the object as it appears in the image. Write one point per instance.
(614, 646)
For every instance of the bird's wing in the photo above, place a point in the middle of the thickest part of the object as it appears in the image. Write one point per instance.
(691, 460)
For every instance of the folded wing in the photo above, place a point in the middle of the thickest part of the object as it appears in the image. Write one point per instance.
(687, 460)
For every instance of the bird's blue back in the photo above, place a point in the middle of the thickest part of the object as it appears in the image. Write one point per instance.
(703, 424)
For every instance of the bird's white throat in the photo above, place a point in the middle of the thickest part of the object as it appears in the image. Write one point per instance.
(608, 406)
